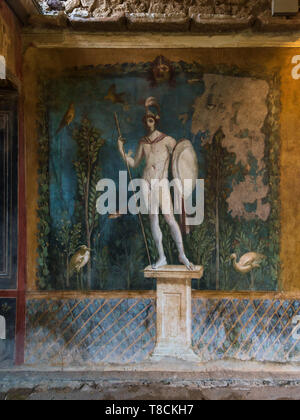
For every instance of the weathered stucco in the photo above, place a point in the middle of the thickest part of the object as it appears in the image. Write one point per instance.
(162, 16)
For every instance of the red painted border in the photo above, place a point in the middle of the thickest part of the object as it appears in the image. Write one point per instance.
(8, 294)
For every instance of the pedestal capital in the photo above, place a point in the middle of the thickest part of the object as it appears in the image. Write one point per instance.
(174, 272)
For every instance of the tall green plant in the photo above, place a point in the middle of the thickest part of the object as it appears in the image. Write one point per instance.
(88, 171)
(201, 246)
(128, 246)
(68, 240)
(219, 168)
(226, 241)
(43, 210)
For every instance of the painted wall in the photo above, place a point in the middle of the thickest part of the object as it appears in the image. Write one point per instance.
(248, 203)
(91, 331)
(9, 193)
(229, 117)
(10, 41)
(74, 332)
(264, 171)
(12, 286)
(8, 327)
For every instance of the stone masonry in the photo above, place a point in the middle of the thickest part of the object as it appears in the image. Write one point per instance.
(183, 8)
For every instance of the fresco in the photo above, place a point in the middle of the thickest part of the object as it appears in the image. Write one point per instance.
(230, 117)
(5, 41)
(80, 331)
(7, 331)
(8, 197)
(245, 329)
(74, 332)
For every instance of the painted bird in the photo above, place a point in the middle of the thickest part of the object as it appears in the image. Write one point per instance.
(247, 262)
(68, 118)
(79, 260)
(114, 97)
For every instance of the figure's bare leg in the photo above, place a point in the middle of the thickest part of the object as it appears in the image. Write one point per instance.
(153, 207)
(177, 236)
(158, 238)
(168, 211)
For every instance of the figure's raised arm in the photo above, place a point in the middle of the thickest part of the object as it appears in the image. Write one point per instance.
(133, 162)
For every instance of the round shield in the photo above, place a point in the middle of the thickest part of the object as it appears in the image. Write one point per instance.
(185, 167)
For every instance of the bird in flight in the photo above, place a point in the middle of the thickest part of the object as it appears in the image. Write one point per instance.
(114, 97)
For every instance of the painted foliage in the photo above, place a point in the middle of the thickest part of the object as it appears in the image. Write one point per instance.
(231, 118)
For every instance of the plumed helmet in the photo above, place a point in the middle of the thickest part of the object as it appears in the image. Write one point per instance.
(151, 102)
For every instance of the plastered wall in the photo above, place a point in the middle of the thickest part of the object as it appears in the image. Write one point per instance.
(80, 327)
(278, 61)
(12, 296)
(10, 41)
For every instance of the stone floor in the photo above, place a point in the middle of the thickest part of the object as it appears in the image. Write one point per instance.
(213, 382)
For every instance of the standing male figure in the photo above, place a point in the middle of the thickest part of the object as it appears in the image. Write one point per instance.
(157, 149)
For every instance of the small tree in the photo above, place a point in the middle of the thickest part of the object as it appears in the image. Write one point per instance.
(220, 167)
(89, 142)
(43, 208)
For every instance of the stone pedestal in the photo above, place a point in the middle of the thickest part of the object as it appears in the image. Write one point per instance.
(174, 311)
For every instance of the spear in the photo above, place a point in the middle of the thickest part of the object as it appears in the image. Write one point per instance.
(136, 200)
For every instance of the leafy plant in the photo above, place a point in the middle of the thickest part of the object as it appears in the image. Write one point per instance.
(68, 240)
(131, 257)
(4, 309)
(89, 142)
(101, 262)
(200, 246)
(220, 166)
(43, 211)
(226, 240)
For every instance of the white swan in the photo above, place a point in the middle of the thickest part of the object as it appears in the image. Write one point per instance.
(247, 262)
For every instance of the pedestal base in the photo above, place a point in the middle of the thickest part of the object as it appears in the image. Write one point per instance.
(175, 352)
(174, 312)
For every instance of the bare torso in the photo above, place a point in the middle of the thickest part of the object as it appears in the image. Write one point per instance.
(157, 155)
(156, 149)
